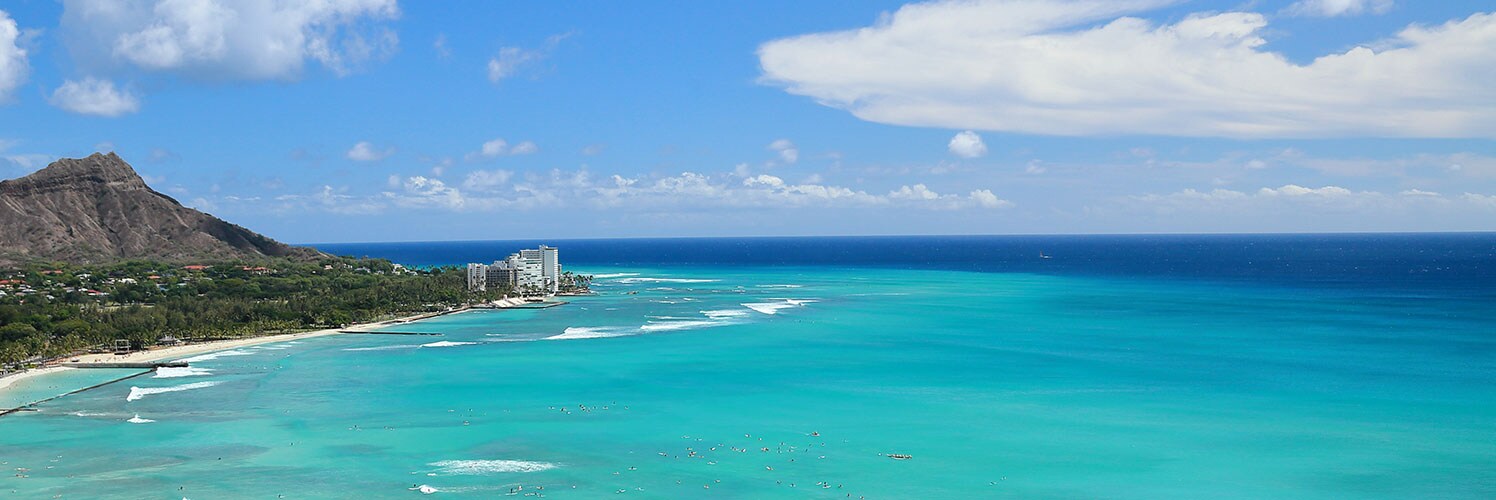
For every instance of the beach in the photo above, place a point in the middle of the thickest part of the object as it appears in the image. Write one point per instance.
(167, 353)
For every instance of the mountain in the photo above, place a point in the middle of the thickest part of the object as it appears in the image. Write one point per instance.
(97, 209)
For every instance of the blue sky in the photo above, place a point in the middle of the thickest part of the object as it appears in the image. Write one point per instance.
(371, 120)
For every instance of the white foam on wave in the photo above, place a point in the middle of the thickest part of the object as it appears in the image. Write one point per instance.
(140, 392)
(666, 280)
(499, 338)
(86, 414)
(665, 326)
(137, 420)
(384, 347)
(613, 275)
(215, 355)
(485, 467)
(779, 286)
(594, 332)
(725, 313)
(767, 307)
(447, 343)
(775, 307)
(178, 372)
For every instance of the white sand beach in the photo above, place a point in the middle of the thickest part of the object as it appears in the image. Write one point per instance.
(186, 350)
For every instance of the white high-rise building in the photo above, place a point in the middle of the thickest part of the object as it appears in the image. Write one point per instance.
(531, 269)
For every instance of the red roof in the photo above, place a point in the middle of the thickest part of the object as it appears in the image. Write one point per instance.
(196, 267)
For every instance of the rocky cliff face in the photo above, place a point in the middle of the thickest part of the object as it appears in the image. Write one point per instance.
(98, 209)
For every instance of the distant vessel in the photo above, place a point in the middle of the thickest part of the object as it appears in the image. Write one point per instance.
(1042, 256)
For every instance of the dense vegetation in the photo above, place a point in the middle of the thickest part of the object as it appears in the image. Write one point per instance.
(53, 310)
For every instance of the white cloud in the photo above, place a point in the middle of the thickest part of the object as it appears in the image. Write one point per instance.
(915, 192)
(486, 180)
(786, 149)
(501, 189)
(986, 199)
(510, 60)
(364, 151)
(1295, 190)
(13, 65)
(421, 192)
(524, 148)
(1298, 201)
(229, 40)
(493, 148)
(967, 145)
(1429, 165)
(1073, 67)
(1333, 8)
(93, 96)
(499, 147)
(927, 198)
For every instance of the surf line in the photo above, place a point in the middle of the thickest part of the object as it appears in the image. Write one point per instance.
(4, 412)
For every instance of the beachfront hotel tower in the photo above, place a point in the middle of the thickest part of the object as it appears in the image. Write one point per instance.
(537, 269)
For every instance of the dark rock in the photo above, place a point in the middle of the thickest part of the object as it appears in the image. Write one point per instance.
(97, 209)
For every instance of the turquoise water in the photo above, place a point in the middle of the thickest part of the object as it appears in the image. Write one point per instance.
(997, 384)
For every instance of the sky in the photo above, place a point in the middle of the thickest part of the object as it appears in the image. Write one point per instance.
(378, 120)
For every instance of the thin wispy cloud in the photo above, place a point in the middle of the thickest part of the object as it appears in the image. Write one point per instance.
(510, 60)
(787, 151)
(1336, 8)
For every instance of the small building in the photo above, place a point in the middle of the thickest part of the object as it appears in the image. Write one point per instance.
(168, 340)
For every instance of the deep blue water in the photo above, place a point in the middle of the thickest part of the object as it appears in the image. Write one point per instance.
(1459, 263)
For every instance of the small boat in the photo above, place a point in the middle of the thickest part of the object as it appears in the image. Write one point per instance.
(1042, 256)
(897, 456)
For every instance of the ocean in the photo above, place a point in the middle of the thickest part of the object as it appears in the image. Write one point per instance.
(1221, 366)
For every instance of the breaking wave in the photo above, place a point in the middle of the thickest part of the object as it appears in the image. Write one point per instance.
(483, 467)
(594, 332)
(447, 343)
(613, 275)
(775, 307)
(137, 420)
(665, 326)
(215, 355)
(140, 392)
(725, 313)
(177, 372)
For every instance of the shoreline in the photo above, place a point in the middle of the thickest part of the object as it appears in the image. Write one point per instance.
(187, 350)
